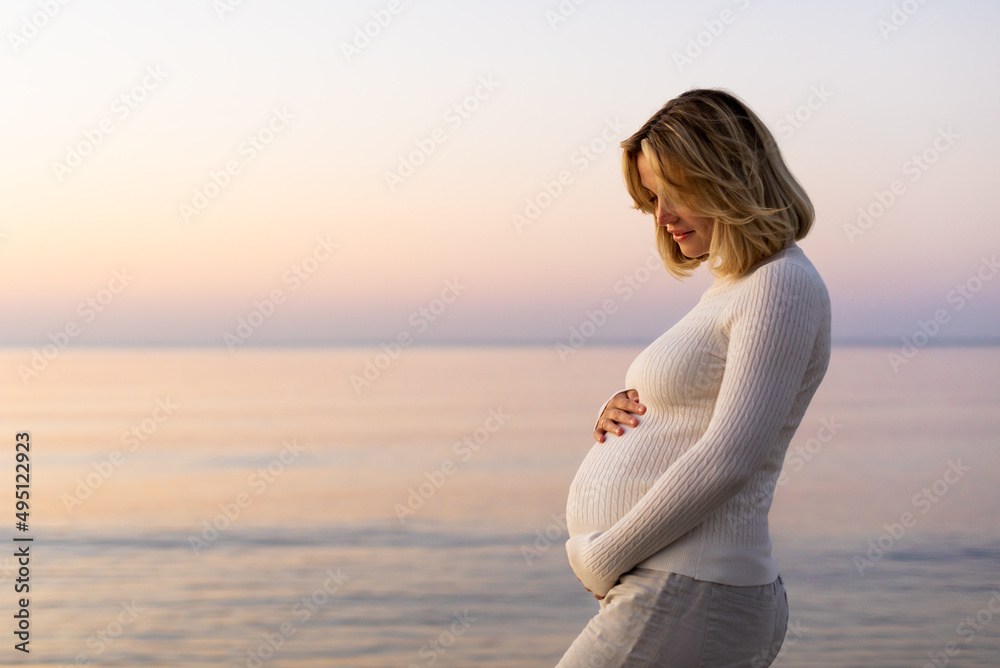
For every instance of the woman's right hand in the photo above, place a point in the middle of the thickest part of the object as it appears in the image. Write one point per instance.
(620, 412)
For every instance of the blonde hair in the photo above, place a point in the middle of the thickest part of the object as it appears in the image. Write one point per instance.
(713, 155)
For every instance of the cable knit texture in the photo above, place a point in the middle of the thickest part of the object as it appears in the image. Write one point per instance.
(688, 489)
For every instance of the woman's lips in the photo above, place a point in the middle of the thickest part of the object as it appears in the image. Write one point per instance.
(681, 236)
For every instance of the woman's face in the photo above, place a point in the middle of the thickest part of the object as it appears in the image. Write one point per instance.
(692, 233)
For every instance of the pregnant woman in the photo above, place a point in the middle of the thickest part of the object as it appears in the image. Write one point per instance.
(667, 514)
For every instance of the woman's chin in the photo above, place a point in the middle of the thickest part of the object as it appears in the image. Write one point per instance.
(693, 253)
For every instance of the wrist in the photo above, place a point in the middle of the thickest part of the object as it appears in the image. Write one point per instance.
(579, 550)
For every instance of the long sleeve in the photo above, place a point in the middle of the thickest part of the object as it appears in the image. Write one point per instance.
(773, 332)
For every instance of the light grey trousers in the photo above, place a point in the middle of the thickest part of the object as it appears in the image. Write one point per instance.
(656, 619)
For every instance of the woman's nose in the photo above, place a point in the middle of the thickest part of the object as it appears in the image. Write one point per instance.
(663, 216)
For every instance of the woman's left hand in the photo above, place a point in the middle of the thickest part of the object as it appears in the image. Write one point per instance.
(599, 598)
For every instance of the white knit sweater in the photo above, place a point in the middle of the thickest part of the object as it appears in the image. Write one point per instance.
(688, 489)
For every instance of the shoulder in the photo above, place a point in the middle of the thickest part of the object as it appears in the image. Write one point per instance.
(788, 270)
(785, 283)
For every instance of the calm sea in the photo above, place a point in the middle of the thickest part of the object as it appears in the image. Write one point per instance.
(337, 508)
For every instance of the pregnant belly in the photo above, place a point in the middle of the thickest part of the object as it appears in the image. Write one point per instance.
(612, 478)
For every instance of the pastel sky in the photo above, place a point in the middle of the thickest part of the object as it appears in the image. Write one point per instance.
(169, 169)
